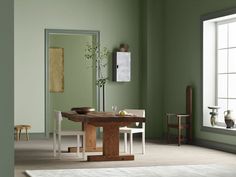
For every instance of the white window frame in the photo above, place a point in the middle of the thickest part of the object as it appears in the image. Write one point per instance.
(209, 74)
(217, 24)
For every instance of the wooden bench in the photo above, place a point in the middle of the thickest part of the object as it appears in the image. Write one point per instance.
(19, 128)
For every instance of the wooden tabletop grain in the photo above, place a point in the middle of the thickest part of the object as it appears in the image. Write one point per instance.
(101, 117)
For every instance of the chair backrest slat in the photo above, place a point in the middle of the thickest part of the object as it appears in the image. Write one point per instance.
(189, 110)
(189, 97)
(139, 113)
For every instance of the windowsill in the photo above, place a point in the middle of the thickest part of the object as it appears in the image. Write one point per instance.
(219, 130)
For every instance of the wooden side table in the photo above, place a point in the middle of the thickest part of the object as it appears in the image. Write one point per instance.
(19, 128)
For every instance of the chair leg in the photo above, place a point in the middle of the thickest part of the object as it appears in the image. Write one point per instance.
(168, 130)
(168, 135)
(125, 143)
(59, 146)
(54, 144)
(84, 145)
(131, 143)
(78, 144)
(19, 134)
(179, 131)
(27, 135)
(179, 137)
(143, 143)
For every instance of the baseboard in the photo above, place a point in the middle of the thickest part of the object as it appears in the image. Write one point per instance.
(215, 145)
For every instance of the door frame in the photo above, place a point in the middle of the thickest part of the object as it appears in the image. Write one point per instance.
(48, 32)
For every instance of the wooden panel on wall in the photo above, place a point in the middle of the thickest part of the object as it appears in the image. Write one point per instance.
(56, 57)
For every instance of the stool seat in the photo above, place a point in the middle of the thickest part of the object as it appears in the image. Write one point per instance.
(18, 129)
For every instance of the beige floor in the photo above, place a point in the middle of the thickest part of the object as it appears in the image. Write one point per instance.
(37, 154)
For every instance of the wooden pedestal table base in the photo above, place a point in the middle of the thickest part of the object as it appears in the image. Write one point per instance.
(90, 131)
(110, 124)
(110, 145)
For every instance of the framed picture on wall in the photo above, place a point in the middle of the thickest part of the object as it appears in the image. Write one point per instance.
(56, 57)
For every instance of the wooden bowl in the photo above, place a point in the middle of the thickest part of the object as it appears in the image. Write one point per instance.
(83, 110)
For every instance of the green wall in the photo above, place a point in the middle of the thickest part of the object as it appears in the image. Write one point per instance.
(171, 45)
(79, 76)
(117, 23)
(152, 66)
(182, 61)
(117, 20)
(7, 88)
(164, 38)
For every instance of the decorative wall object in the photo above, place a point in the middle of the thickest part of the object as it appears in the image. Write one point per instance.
(122, 67)
(56, 70)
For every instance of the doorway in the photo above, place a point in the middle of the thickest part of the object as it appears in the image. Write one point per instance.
(79, 85)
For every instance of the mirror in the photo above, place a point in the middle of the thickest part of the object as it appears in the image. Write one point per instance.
(70, 79)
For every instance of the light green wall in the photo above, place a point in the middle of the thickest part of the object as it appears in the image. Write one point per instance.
(182, 59)
(79, 76)
(7, 88)
(117, 20)
(166, 53)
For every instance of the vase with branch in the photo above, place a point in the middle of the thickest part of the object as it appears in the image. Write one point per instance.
(99, 56)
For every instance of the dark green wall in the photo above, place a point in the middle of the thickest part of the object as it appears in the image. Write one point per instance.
(171, 46)
(152, 67)
(182, 61)
(7, 88)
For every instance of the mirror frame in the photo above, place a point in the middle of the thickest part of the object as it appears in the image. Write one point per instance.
(46, 78)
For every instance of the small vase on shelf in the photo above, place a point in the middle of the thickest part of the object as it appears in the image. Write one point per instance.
(214, 114)
(229, 121)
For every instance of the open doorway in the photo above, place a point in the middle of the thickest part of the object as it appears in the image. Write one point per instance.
(79, 77)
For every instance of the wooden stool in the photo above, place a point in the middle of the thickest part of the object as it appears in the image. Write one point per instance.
(18, 129)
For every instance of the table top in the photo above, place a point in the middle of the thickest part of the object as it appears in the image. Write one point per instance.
(101, 117)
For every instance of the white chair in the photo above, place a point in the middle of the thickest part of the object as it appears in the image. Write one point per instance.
(58, 133)
(131, 131)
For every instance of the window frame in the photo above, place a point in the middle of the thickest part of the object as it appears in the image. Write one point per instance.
(204, 18)
(227, 98)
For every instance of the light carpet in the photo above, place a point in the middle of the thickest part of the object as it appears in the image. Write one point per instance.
(151, 171)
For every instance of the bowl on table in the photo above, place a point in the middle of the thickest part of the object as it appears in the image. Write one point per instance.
(83, 110)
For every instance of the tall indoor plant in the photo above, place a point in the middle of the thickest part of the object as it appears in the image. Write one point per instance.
(99, 57)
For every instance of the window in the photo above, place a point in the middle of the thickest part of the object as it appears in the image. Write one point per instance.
(219, 67)
(226, 66)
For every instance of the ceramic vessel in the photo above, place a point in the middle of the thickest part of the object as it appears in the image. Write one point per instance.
(229, 120)
(213, 118)
(214, 114)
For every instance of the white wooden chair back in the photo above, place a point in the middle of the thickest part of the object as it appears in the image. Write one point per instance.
(139, 113)
(132, 130)
(58, 132)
